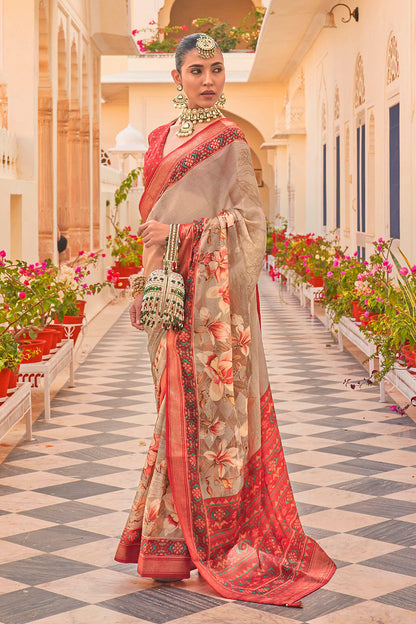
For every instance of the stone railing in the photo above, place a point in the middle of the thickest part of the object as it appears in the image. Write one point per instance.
(111, 176)
(8, 154)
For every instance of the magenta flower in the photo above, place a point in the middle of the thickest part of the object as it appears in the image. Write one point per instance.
(413, 269)
(366, 313)
(2, 253)
(342, 272)
(336, 263)
(404, 271)
(329, 274)
(22, 295)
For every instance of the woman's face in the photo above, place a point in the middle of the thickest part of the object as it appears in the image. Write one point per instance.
(202, 79)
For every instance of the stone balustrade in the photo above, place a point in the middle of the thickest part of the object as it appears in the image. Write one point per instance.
(111, 176)
(8, 154)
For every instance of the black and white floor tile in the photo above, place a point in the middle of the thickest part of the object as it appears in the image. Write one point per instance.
(64, 497)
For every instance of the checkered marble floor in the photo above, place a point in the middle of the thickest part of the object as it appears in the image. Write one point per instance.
(64, 497)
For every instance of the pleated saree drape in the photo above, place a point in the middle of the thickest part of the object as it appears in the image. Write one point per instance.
(215, 492)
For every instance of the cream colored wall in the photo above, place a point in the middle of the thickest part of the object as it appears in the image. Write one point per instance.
(330, 63)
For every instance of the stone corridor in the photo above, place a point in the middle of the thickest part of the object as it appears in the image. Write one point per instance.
(64, 497)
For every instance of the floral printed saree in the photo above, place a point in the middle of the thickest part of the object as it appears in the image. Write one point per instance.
(215, 492)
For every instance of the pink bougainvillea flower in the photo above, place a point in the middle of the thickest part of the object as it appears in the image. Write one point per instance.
(336, 263)
(134, 32)
(223, 457)
(329, 274)
(342, 272)
(366, 313)
(22, 295)
(81, 253)
(404, 271)
(413, 269)
(2, 253)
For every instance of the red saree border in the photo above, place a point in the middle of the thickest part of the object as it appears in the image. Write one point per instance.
(183, 159)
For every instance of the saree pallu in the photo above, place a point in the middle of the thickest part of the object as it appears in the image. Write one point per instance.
(215, 492)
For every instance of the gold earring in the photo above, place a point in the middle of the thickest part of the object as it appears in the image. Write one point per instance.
(221, 102)
(180, 100)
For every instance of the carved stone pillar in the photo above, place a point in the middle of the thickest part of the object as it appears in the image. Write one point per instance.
(62, 173)
(84, 183)
(96, 184)
(45, 178)
(3, 107)
(76, 219)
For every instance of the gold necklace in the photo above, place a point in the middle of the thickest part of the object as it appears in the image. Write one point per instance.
(191, 116)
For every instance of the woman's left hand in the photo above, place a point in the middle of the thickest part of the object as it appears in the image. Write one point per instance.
(153, 233)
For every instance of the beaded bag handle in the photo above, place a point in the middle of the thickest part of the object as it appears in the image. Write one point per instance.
(170, 259)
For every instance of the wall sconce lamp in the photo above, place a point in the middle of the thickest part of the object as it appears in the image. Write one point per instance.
(330, 18)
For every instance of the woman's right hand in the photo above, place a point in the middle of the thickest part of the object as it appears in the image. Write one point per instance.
(135, 310)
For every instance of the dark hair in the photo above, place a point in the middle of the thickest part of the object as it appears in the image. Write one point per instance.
(187, 44)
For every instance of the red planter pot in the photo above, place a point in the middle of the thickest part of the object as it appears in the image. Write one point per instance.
(125, 271)
(72, 326)
(4, 382)
(47, 337)
(60, 329)
(33, 350)
(357, 310)
(80, 303)
(318, 282)
(55, 335)
(13, 379)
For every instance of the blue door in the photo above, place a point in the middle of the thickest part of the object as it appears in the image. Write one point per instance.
(394, 157)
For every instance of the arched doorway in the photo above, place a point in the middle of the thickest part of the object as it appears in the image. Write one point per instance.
(262, 169)
(182, 12)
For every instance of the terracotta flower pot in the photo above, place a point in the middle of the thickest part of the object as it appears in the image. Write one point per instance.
(4, 382)
(32, 350)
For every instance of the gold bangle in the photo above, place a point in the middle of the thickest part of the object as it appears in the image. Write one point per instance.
(137, 285)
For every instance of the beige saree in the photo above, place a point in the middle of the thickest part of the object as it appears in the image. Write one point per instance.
(215, 492)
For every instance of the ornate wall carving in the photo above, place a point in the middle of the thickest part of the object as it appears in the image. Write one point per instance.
(359, 84)
(336, 105)
(393, 65)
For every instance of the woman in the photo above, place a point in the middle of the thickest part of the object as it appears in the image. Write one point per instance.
(215, 492)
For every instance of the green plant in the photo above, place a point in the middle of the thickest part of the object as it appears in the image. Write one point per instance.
(125, 247)
(10, 353)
